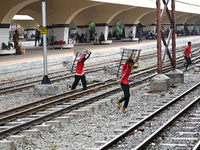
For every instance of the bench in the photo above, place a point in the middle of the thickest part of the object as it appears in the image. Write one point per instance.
(61, 46)
(11, 51)
(102, 42)
(129, 40)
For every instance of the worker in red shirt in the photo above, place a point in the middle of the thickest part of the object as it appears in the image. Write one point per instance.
(79, 72)
(126, 71)
(187, 54)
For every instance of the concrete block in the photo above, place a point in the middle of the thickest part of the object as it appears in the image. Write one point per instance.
(176, 76)
(108, 101)
(102, 103)
(56, 123)
(63, 119)
(88, 109)
(80, 112)
(72, 115)
(44, 127)
(7, 144)
(33, 132)
(160, 83)
(96, 106)
(18, 138)
(46, 89)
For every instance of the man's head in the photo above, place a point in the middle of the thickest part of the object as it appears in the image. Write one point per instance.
(189, 43)
(130, 62)
(16, 31)
(131, 31)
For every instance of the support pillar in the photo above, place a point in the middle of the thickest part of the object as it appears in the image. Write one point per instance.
(61, 32)
(129, 28)
(4, 34)
(102, 28)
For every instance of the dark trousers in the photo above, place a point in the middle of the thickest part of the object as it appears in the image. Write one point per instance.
(125, 88)
(140, 40)
(37, 38)
(188, 61)
(77, 79)
(16, 44)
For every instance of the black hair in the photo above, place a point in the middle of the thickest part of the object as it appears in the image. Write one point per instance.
(130, 61)
(189, 42)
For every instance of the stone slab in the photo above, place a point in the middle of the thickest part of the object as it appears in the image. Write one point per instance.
(176, 76)
(46, 89)
(33, 132)
(19, 138)
(7, 144)
(160, 83)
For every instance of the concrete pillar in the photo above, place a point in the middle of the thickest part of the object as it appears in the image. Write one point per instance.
(30, 32)
(160, 83)
(176, 76)
(61, 32)
(102, 28)
(4, 34)
(82, 29)
(179, 27)
(49, 33)
(129, 28)
(150, 27)
(198, 29)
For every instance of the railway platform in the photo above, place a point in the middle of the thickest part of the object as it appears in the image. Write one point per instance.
(34, 55)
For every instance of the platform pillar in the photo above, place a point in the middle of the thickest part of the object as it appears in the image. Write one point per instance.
(129, 28)
(4, 34)
(176, 76)
(61, 32)
(102, 28)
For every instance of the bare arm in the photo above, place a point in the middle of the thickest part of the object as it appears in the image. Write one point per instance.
(136, 60)
(89, 55)
(130, 56)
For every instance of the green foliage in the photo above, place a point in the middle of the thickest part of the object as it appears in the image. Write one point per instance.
(92, 27)
(118, 28)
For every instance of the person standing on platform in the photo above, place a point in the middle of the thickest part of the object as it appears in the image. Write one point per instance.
(16, 38)
(37, 37)
(187, 54)
(79, 72)
(140, 35)
(126, 71)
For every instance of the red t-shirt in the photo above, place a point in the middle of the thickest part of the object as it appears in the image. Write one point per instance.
(187, 51)
(79, 68)
(126, 71)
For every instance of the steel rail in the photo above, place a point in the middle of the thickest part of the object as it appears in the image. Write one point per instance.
(131, 129)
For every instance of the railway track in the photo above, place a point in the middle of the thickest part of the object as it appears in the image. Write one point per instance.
(106, 88)
(21, 86)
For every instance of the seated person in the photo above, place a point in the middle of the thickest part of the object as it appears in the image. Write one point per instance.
(131, 35)
(96, 38)
(102, 38)
(109, 35)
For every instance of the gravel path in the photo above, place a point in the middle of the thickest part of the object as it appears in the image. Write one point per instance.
(86, 131)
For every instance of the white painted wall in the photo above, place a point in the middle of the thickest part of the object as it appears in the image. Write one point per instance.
(30, 32)
(4, 38)
(129, 29)
(112, 29)
(179, 28)
(61, 34)
(104, 30)
(151, 28)
(166, 27)
(190, 28)
(82, 30)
